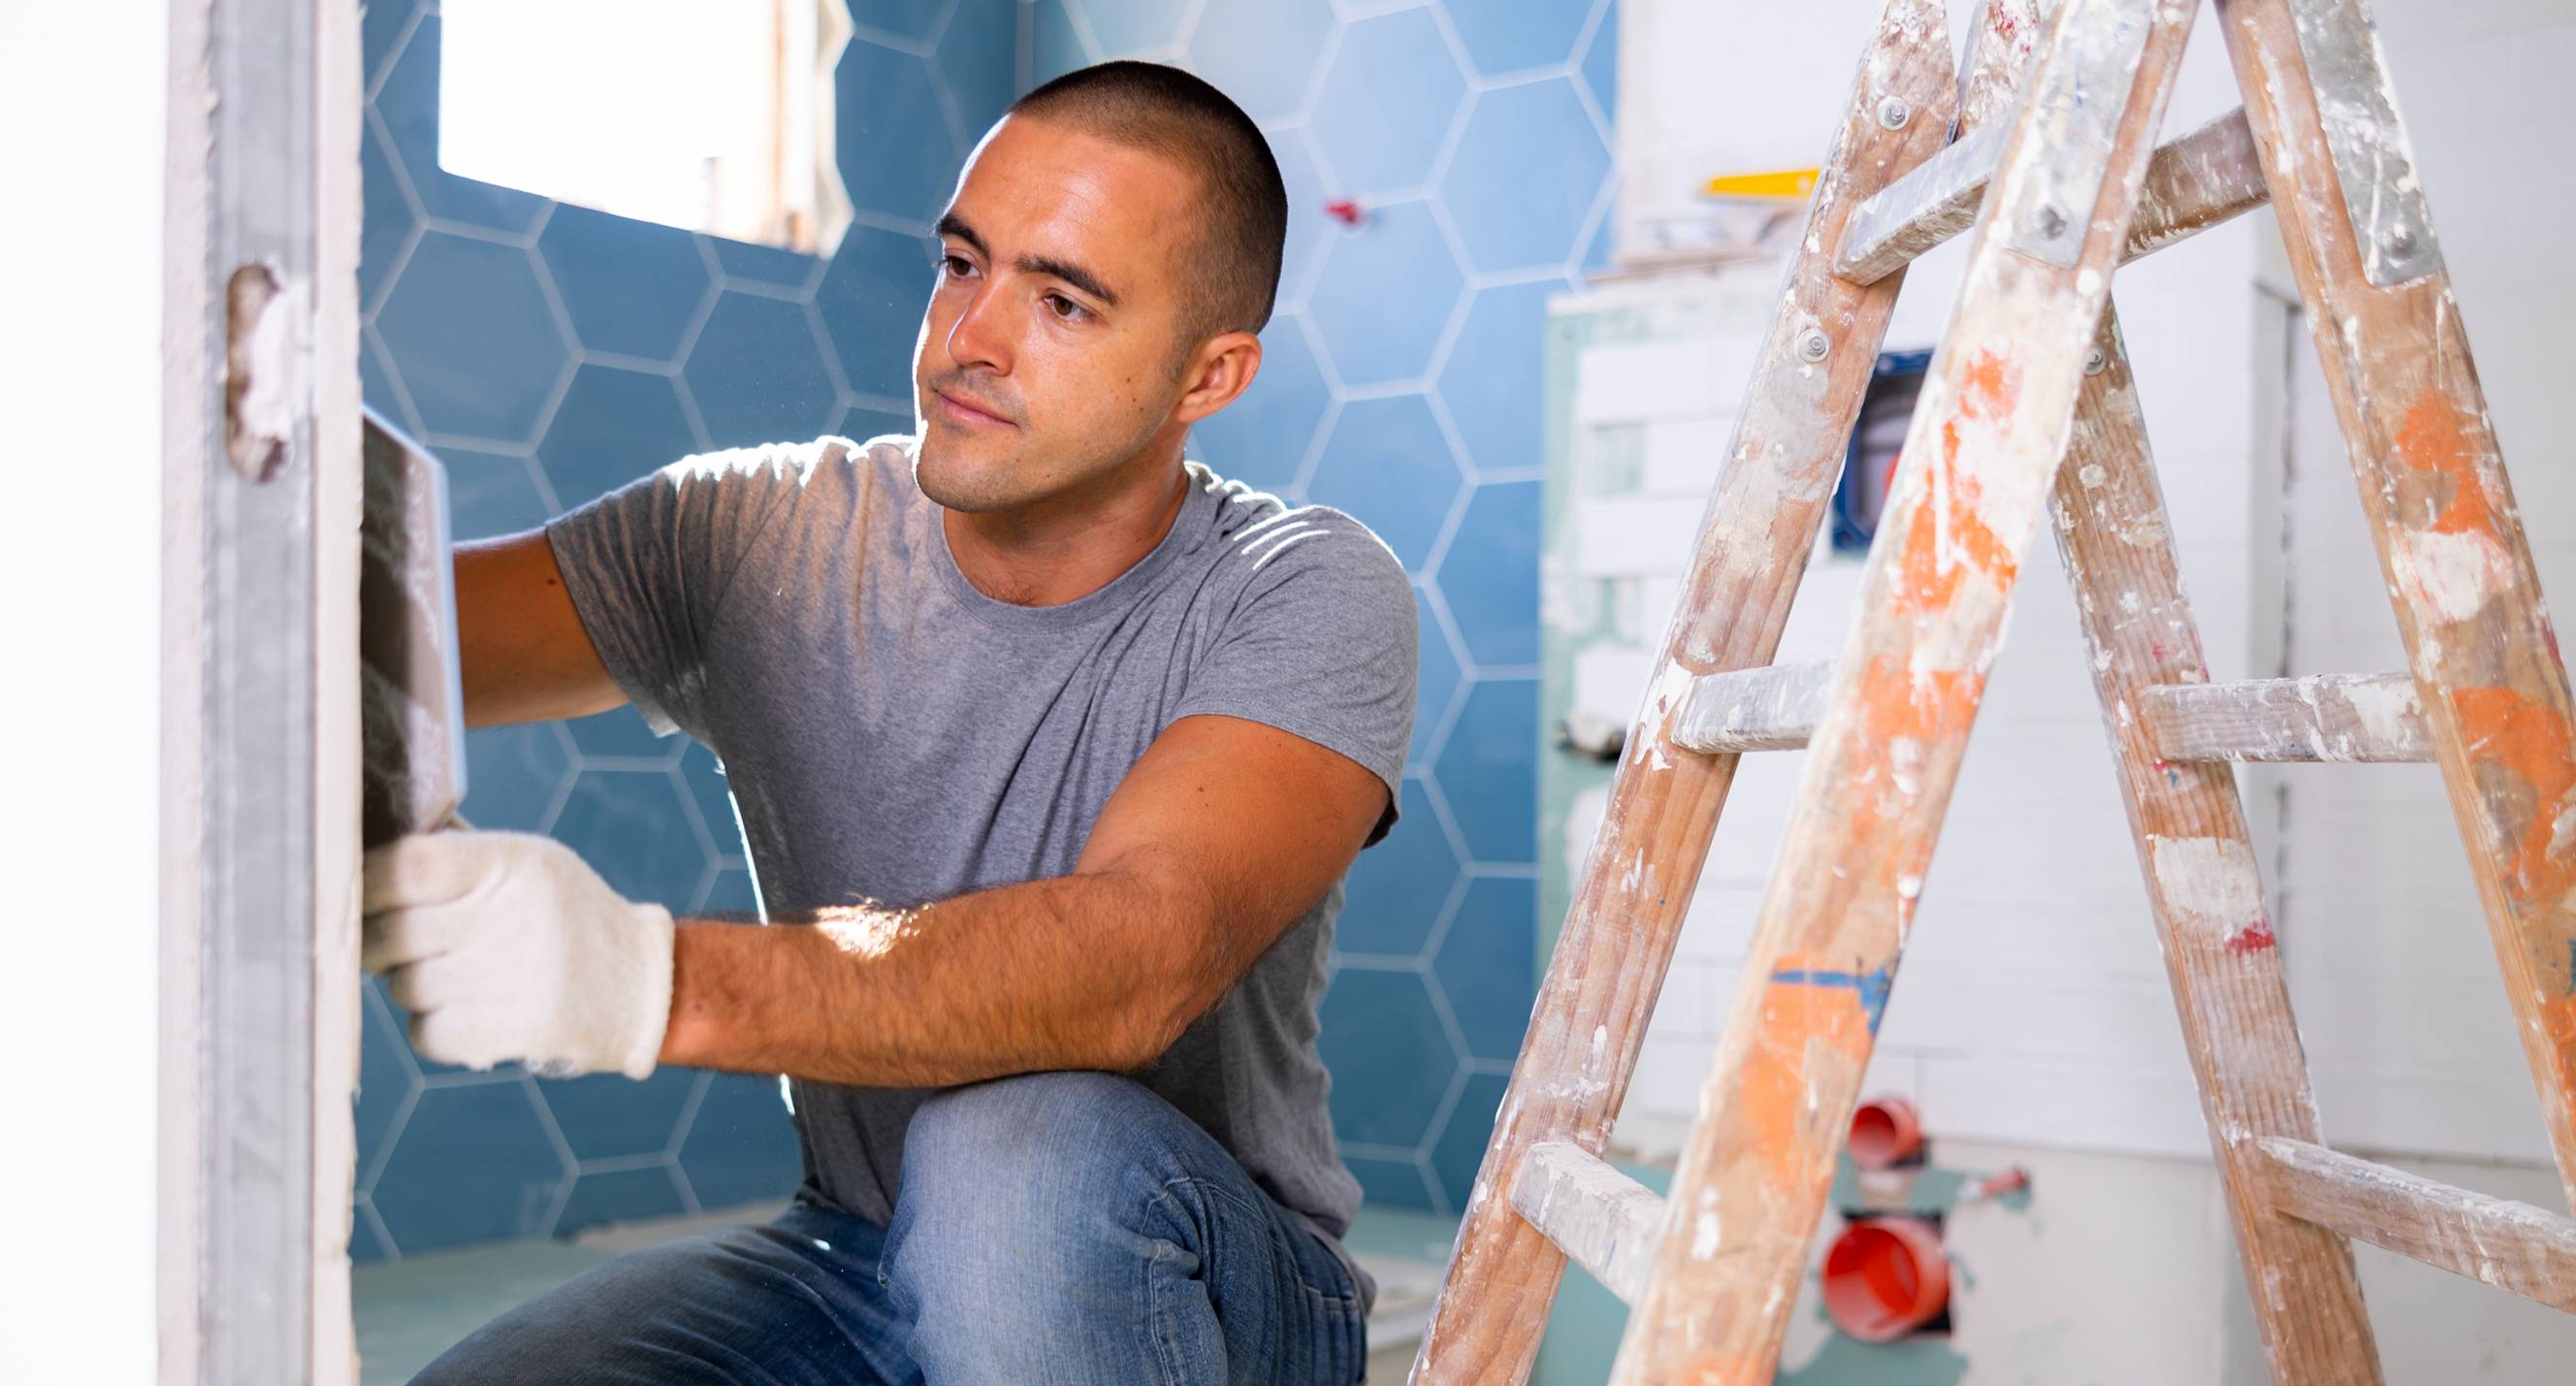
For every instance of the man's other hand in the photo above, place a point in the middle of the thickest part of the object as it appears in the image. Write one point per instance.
(508, 946)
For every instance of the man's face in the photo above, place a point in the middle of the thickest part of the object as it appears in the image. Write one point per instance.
(1056, 346)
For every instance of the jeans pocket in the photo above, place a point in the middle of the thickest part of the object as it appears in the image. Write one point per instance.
(1340, 1337)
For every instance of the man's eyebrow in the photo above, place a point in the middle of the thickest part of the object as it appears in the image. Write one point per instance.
(951, 224)
(1070, 273)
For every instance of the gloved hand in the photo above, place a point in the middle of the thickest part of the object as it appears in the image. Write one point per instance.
(508, 946)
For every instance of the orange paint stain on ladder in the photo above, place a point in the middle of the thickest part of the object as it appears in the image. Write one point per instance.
(1947, 536)
(2434, 439)
(1804, 1020)
(2530, 742)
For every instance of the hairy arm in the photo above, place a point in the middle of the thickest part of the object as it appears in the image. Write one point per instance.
(1223, 834)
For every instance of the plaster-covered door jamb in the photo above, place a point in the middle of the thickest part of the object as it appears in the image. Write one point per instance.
(259, 796)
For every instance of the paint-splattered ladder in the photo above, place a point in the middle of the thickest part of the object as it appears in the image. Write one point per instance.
(2045, 143)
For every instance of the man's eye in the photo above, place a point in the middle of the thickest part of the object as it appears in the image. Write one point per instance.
(1065, 308)
(955, 267)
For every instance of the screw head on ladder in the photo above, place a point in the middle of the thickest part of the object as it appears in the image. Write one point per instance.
(1893, 113)
(2095, 361)
(1813, 345)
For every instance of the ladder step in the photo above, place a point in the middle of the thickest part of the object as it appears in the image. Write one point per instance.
(2511, 1246)
(1603, 1220)
(2192, 184)
(2373, 718)
(1768, 709)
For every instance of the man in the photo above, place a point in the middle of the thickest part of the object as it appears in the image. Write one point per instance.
(1055, 747)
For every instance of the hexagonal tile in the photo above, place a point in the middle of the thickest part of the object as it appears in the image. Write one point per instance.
(1491, 381)
(1487, 965)
(1398, 887)
(628, 824)
(614, 1196)
(1125, 28)
(1525, 177)
(893, 163)
(1263, 437)
(1436, 678)
(1599, 66)
(763, 264)
(407, 102)
(476, 346)
(1056, 46)
(1262, 55)
(380, 26)
(613, 426)
(514, 775)
(492, 493)
(704, 777)
(1386, 102)
(1460, 1146)
(1390, 1183)
(1516, 35)
(1489, 574)
(386, 1077)
(1384, 295)
(740, 1147)
(377, 387)
(905, 19)
(366, 1246)
(872, 301)
(604, 1116)
(978, 61)
(1386, 462)
(630, 287)
(473, 1164)
(388, 219)
(1390, 1060)
(757, 374)
(1488, 770)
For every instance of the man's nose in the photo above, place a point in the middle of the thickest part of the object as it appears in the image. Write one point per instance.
(980, 336)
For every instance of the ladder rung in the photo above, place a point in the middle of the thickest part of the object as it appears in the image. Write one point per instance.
(1605, 1221)
(2333, 717)
(2512, 1246)
(1768, 709)
(2192, 184)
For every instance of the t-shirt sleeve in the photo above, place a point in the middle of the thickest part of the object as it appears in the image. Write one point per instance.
(648, 566)
(1322, 646)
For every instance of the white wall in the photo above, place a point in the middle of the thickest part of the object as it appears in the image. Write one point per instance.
(80, 386)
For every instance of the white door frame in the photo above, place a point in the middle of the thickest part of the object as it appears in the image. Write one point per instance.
(260, 458)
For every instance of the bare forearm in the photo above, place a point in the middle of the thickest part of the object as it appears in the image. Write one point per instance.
(1086, 971)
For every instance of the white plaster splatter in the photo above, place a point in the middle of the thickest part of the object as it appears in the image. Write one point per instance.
(2209, 884)
(2455, 574)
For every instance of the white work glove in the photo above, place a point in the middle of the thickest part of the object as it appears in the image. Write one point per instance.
(508, 946)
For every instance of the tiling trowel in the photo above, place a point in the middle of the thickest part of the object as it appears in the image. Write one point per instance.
(412, 705)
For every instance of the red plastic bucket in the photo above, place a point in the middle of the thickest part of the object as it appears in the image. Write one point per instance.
(1884, 1132)
(1885, 1277)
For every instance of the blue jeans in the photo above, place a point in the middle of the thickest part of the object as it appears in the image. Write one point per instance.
(1053, 1228)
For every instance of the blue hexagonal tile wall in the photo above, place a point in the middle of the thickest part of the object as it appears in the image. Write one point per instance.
(620, 1195)
(1460, 1146)
(1384, 294)
(613, 426)
(1264, 57)
(604, 1116)
(1489, 573)
(893, 163)
(1527, 175)
(757, 373)
(1391, 1060)
(473, 1164)
(1486, 966)
(1387, 102)
(1387, 462)
(629, 825)
(475, 341)
(1399, 889)
(1507, 36)
(630, 287)
(872, 300)
(1488, 381)
(739, 1147)
(1488, 769)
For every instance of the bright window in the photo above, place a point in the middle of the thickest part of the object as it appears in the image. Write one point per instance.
(711, 115)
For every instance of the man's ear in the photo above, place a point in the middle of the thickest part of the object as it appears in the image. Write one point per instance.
(1221, 368)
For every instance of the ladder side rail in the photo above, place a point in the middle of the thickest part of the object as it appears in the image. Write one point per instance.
(1985, 441)
(2204, 891)
(1768, 503)
(2493, 685)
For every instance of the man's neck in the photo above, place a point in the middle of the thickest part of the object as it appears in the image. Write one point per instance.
(1068, 547)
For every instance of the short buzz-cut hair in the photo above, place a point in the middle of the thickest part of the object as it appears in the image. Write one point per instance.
(1171, 113)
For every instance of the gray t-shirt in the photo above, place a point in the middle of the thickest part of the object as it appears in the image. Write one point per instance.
(892, 734)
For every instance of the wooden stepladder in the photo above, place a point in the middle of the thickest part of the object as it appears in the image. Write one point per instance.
(2044, 145)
